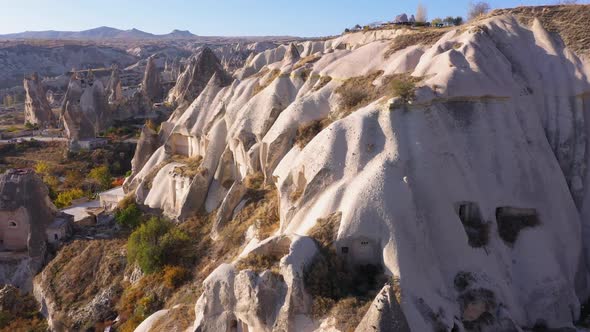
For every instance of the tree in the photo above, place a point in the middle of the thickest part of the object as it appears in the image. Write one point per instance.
(436, 21)
(458, 21)
(477, 9)
(421, 13)
(448, 21)
(102, 176)
(43, 168)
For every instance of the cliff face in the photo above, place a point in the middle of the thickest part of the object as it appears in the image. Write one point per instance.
(454, 160)
(195, 77)
(81, 285)
(37, 109)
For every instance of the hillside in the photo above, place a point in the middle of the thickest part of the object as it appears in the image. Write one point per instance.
(451, 160)
(399, 179)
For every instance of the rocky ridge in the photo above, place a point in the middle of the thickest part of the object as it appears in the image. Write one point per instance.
(454, 163)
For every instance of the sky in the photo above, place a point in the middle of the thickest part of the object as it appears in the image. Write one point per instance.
(304, 18)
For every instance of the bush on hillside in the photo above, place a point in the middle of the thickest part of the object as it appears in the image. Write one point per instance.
(156, 243)
(129, 216)
(405, 89)
(102, 175)
(64, 199)
(329, 279)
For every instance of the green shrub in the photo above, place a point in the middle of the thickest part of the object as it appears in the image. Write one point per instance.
(64, 199)
(102, 175)
(404, 88)
(129, 216)
(31, 126)
(155, 243)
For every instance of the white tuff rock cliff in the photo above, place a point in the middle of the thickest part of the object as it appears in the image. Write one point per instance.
(469, 190)
(37, 108)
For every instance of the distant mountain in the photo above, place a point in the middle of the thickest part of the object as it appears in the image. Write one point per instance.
(98, 33)
(179, 34)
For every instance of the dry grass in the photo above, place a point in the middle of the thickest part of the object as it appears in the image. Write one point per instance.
(80, 271)
(273, 75)
(421, 37)
(397, 288)
(325, 230)
(357, 92)
(339, 289)
(191, 168)
(349, 312)
(323, 81)
(306, 132)
(308, 59)
(569, 21)
(177, 319)
(260, 262)
(261, 210)
(254, 181)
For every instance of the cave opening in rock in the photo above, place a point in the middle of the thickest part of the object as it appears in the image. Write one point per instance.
(511, 221)
(476, 228)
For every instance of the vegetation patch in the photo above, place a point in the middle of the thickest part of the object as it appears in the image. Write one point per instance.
(273, 75)
(260, 262)
(155, 244)
(78, 273)
(305, 60)
(261, 210)
(306, 132)
(179, 318)
(65, 198)
(129, 216)
(191, 168)
(329, 279)
(421, 37)
(20, 312)
(349, 312)
(322, 82)
(569, 21)
(357, 92)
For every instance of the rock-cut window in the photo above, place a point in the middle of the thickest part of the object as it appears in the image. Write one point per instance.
(12, 224)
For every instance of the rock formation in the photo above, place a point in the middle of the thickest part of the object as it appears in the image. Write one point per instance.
(195, 77)
(148, 143)
(37, 108)
(151, 85)
(457, 166)
(114, 90)
(91, 271)
(25, 214)
(85, 109)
